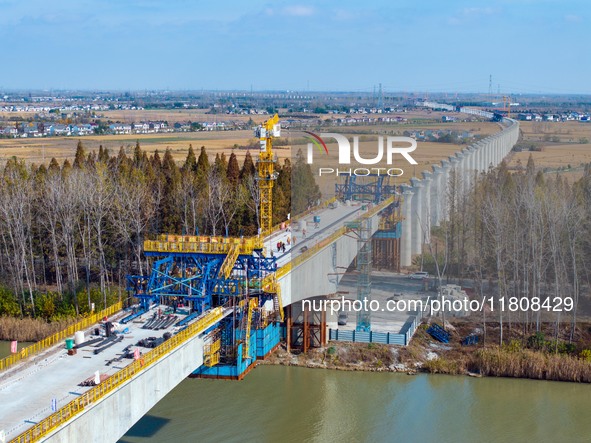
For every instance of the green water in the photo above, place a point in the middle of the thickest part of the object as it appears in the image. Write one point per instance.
(5, 347)
(288, 404)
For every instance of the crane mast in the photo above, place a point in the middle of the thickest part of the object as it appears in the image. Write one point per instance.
(266, 171)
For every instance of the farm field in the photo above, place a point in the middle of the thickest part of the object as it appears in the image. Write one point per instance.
(41, 150)
(565, 147)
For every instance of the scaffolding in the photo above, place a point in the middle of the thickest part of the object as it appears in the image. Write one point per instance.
(375, 188)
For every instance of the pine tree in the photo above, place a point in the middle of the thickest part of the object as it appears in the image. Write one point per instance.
(233, 171)
(91, 160)
(80, 157)
(156, 161)
(103, 155)
(304, 190)
(202, 162)
(190, 161)
(248, 167)
(137, 155)
(66, 167)
(54, 166)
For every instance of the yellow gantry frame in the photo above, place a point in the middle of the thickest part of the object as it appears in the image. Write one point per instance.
(266, 169)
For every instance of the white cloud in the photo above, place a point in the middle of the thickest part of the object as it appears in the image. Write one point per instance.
(298, 11)
(572, 18)
(470, 14)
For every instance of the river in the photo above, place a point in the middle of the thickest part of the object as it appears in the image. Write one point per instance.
(290, 404)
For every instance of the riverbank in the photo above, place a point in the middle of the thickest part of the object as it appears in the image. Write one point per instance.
(424, 354)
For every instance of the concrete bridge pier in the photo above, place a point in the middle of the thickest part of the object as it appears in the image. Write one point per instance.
(446, 168)
(417, 232)
(436, 195)
(481, 157)
(406, 240)
(426, 213)
(426, 200)
(453, 175)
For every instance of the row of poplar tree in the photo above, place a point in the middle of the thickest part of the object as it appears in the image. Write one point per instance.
(69, 233)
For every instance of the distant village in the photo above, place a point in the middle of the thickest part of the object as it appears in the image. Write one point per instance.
(564, 117)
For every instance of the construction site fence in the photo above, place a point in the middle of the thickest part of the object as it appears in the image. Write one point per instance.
(76, 406)
(401, 338)
(47, 342)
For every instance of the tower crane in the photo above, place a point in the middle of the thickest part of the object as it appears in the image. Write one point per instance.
(266, 169)
(507, 104)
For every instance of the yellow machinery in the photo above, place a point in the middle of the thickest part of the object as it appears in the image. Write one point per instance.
(252, 304)
(266, 169)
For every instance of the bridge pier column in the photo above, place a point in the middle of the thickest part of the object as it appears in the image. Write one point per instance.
(306, 331)
(406, 240)
(436, 195)
(417, 231)
(460, 181)
(481, 157)
(453, 188)
(446, 168)
(498, 156)
(288, 328)
(426, 213)
(471, 165)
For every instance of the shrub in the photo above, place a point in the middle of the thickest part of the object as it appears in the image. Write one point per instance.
(512, 346)
(536, 341)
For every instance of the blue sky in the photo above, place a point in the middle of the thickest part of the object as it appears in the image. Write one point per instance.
(407, 45)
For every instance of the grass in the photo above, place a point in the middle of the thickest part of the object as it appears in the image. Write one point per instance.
(30, 329)
(530, 364)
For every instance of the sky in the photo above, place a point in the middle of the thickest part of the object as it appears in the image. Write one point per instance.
(528, 46)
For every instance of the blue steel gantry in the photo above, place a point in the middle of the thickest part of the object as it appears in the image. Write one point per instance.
(201, 273)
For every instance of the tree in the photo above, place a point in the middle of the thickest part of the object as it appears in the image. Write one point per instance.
(233, 171)
(80, 157)
(304, 190)
(247, 167)
(191, 160)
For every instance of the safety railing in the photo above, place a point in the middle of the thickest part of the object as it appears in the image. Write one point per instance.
(301, 215)
(211, 353)
(252, 304)
(206, 245)
(95, 394)
(228, 264)
(328, 240)
(47, 342)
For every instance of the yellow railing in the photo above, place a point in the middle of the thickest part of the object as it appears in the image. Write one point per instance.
(207, 245)
(211, 353)
(252, 304)
(228, 264)
(58, 336)
(307, 212)
(93, 395)
(328, 240)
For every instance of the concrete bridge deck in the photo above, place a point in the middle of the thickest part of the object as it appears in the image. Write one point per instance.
(27, 389)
